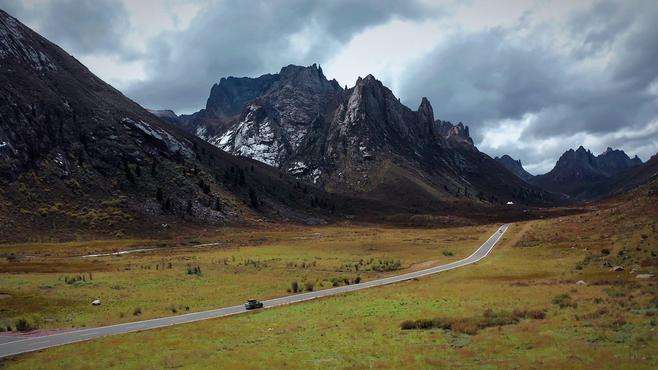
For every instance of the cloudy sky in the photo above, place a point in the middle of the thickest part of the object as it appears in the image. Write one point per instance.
(531, 78)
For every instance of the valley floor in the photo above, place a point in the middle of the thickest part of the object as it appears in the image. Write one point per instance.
(523, 306)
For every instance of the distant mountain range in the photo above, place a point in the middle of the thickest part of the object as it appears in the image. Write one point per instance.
(580, 174)
(359, 141)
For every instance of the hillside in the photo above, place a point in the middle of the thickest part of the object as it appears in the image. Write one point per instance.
(75, 154)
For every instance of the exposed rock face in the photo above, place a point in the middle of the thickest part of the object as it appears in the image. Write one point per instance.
(456, 133)
(514, 166)
(353, 140)
(579, 173)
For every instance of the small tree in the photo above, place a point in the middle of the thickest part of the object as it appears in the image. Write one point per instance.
(253, 198)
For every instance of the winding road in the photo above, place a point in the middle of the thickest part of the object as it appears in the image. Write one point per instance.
(38, 343)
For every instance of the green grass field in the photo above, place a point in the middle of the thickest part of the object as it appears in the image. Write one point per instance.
(609, 322)
(45, 287)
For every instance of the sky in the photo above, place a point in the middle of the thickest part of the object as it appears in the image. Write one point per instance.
(531, 78)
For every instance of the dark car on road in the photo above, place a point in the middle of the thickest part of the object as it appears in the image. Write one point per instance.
(253, 304)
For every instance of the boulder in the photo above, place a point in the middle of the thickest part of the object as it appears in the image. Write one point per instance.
(617, 269)
(96, 302)
(644, 276)
(581, 282)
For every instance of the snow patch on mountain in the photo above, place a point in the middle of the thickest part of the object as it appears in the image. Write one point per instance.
(172, 144)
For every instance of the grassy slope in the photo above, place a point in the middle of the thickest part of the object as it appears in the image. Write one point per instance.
(612, 324)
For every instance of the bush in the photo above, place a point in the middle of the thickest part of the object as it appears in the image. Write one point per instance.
(23, 325)
(309, 286)
(564, 301)
(408, 325)
(137, 311)
(357, 280)
(448, 253)
(295, 287)
(472, 325)
(605, 251)
(194, 270)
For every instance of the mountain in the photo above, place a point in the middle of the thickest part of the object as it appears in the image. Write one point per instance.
(76, 154)
(166, 115)
(514, 166)
(581, 175)
(611, 162)
(360, 141)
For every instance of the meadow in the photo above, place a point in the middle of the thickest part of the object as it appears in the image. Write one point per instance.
(51, 286)
(548, 296)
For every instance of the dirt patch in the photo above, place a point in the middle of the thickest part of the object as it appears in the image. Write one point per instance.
(423, 265)
(517, 237)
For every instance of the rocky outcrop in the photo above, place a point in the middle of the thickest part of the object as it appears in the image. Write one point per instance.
(458, 133)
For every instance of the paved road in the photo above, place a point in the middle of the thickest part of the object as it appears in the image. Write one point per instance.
(38, 343)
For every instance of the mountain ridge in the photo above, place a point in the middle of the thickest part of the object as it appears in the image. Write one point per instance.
(578, 173)
(349, 140)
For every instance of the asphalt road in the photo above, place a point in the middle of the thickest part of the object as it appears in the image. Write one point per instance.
(42, 342)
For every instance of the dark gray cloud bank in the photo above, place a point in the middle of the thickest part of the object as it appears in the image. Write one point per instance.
(531, 89)
(80, 26)
(249, 38)
(601, 87)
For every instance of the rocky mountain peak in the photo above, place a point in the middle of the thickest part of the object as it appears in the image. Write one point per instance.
(514, 166)
(426, 116)
(577, 168)
(458, 133)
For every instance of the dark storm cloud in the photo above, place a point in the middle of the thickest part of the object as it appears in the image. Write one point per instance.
(248, 38)
(86, 26)
(600, 85)
(82, 27)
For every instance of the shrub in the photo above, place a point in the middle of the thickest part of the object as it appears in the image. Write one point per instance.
(448, 253)
(23, 325)
(408, 325)
(294, 287)
(465, 326)
(605, 251)
(309, 286)
(357, 280)
(619, 322)
(386, 265)
(137, 311)
(194, 270)
(472, 325)
(536, 314)
(564, 301)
